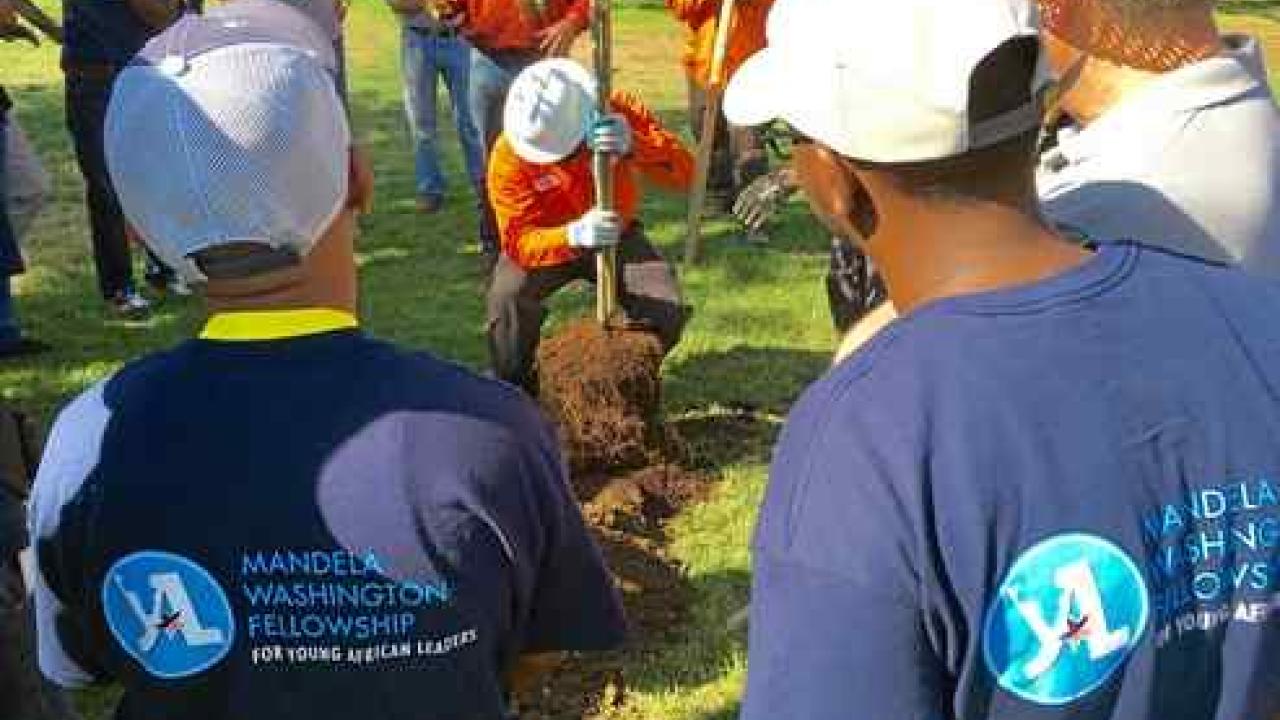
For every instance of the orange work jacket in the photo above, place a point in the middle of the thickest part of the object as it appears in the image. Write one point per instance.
(535, 203)
(746, 34)
(512, 24)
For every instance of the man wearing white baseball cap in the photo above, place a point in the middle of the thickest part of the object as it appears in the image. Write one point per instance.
(285, 517)
(1039, 494)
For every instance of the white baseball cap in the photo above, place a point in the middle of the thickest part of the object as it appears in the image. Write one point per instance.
(228, 129)
(549, 109)
(884, 81)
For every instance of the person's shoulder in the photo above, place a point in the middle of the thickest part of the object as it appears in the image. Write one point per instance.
(1242, 294)
(504, 161)
(433, 382)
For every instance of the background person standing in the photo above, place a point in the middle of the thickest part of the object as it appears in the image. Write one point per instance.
(737, 155)
(101, 37)
(432, 50)
(508, 36)
(1175, 138)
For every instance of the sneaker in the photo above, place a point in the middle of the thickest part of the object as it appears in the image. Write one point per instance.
(130, 305)
(168, 284)
(22, 347)
(178, 288)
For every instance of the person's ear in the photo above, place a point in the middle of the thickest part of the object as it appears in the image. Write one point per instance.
(835, 191)
(359, 180)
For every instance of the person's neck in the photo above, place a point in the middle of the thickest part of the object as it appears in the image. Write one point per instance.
(959, 249)
(287, 290)
(1101, 86)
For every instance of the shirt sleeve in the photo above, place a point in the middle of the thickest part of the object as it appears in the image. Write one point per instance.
(658, 153)
(525, 237)
(837, 626)
(692, 12)
(71, 454)
(574, 605)
(580, 12)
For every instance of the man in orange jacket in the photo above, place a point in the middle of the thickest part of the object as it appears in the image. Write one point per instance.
(506, 37)
(738, 155)
(543, 194)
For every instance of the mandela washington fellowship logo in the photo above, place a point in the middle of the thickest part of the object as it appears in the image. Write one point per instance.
(168, 613)
(1067, 616)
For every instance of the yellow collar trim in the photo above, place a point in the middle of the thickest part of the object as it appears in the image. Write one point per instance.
(276, 324)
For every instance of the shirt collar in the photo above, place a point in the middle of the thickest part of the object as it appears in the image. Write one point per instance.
(256, 325)
(1238, 71)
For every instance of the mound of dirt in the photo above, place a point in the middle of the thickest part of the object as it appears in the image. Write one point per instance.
(602, 389)
(638, 502)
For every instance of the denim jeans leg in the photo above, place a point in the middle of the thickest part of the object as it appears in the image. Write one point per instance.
(87, 101)
(419, 59)
(487, 93)
(488, 83)
(454, 61)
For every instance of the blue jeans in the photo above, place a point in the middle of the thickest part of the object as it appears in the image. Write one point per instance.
(491, 77)
(427, 57)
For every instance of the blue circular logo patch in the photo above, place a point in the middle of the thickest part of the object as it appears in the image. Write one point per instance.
(1067, 616)
(168, 613)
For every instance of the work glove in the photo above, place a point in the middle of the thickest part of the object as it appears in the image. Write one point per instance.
(610, 134)
(597, 229)
(759, 201)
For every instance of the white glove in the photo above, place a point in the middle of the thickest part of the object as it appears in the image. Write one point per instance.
(610, 134)
(597, 229)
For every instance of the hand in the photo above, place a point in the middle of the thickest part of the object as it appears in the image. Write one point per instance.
(610, 134)
(597, 229)
(759, 201)
(556, 40)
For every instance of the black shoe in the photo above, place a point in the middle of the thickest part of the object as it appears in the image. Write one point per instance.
(429, 204)
(23, 347)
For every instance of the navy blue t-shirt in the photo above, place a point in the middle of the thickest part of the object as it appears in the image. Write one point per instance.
(317, 527)
(1060, 500)
(101, 31)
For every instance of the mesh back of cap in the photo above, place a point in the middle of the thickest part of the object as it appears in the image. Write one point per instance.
(246, 143)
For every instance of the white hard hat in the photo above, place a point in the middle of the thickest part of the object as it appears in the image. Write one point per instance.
(548, 110)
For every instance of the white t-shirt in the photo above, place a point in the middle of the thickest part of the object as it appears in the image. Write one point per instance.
(1191, 163)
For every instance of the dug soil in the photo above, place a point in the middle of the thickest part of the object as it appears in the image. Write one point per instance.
(602, 390)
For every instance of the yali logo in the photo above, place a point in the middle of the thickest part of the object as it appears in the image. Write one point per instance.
(168, 613)
(1067, 616)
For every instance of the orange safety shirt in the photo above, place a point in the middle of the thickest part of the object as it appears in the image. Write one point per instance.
(746, 34)
(535, 203)
(512, 24)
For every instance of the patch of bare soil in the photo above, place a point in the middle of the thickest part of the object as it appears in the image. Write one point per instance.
(602, 389)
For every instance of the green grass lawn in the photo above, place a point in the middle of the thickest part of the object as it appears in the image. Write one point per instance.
(759, 334)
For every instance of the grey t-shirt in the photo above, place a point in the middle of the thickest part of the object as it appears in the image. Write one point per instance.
(1191, 163)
